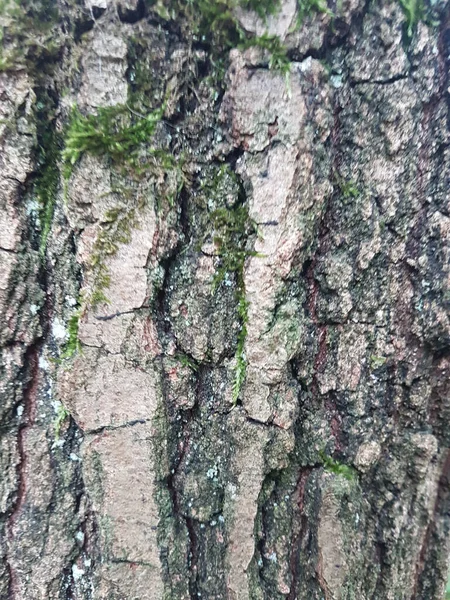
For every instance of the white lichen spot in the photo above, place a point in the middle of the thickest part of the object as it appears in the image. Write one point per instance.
(336, 81)
(212, 472)
(43, 363)
(33, 207)
(71, 301)
(79, 536)
(232, 489)
(57, 406)
(77, 573)
(58, 330)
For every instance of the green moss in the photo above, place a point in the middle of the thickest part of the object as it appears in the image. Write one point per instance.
(232, 228)
(377, 361)
(347, 187)
(27, 32)
(338, 468)
(263, 8)
(72, 346)
(414, 12)
(186, 361)
(215, 22)
(241, 362)
(279, 60)
(61, 415)
(308, 7)
(117, 132)
(125, 137)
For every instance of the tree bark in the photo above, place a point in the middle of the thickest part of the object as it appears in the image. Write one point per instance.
(224, 290)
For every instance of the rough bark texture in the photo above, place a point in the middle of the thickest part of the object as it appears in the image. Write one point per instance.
(261, 409)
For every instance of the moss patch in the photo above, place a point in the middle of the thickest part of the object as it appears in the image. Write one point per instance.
(117, 132)
(232, 229)
(61, 415)
(414, 12)
(333, 466)
(27, 32)
(214, 22)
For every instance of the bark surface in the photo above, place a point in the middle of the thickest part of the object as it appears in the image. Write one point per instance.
(224, 288)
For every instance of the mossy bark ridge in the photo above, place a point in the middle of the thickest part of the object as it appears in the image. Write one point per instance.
(224, 267)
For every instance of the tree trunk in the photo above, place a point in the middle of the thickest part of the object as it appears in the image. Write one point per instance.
(224, 249)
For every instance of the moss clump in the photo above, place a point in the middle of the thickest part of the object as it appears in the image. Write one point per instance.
(116, 132)
(27, 32)
(232, 228)
(338, 468)
(347, 187)
(214, 22)
(61, 415)
(414, 12)
(72, 346)
(308, 7)
(117, 228)
(279, 60)
(377, 361)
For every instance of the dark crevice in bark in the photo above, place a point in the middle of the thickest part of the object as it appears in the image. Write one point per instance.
(186, 418)
(69, 584)
(101, 430)
(389, 81)
(132, 15)
(82, 26)
(231, 158)
(132, 563)
(269, 423)
(334, 39)
(31, 375)
(299, 531)
(172, 485)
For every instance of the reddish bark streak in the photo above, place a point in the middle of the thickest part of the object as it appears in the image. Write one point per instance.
(320, 577)
(321, 358)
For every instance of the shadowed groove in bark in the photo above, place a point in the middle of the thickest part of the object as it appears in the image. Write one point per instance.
(29, 396)
(299, 533)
